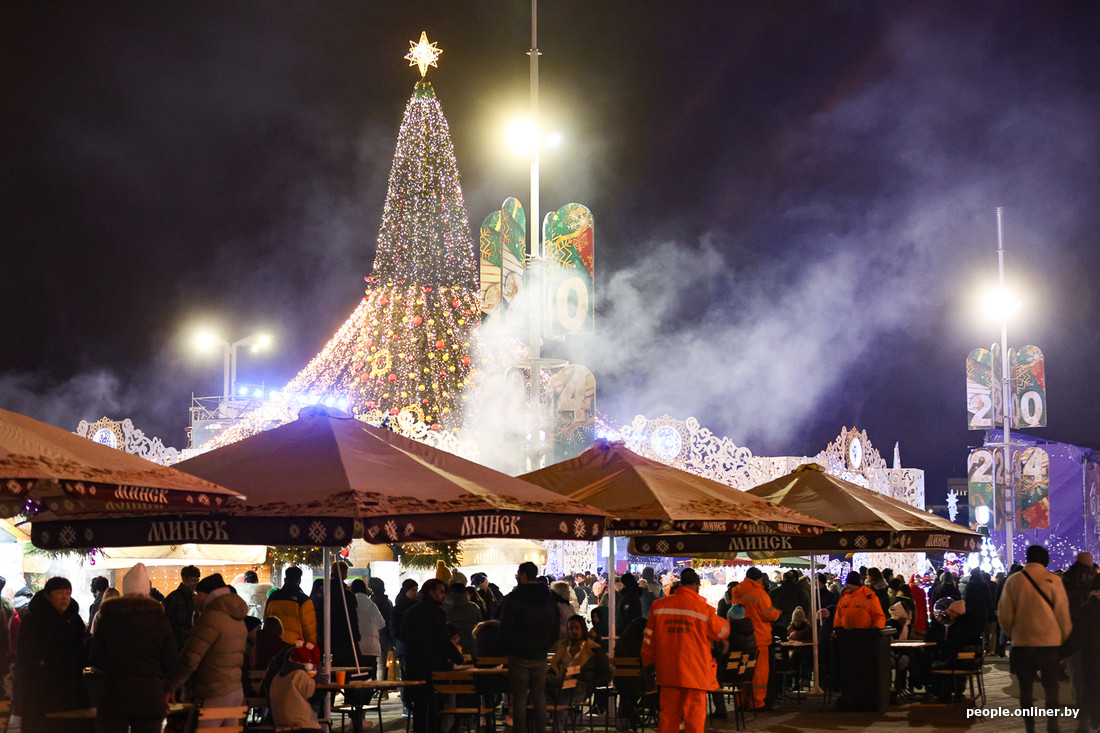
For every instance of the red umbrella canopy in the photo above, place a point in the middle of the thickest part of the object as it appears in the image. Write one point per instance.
(644, 496)
(67, 474)
(328, 464)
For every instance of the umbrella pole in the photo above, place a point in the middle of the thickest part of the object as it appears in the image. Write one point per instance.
(611, 596)
(326, 651)
(816, 690)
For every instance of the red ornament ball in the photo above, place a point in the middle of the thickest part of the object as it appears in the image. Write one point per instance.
(456, 303)
(370, 343)
(425, 400)
(435, 426)
(439, 344)
(392, 378)
(427, 288)
(417, 320)
(394, 411)
(465, 361)
(383, 300)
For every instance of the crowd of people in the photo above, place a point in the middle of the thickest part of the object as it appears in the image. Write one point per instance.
(203, 639)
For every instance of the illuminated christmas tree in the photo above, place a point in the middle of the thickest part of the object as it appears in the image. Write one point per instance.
(406, 347)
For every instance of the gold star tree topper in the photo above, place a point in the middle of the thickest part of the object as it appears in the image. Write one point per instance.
(423, 54)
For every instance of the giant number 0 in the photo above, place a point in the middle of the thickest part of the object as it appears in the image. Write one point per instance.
(571, 322)
(1031, 408)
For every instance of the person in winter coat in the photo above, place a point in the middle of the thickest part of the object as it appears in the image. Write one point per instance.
(628, 602)
(742, 640)
(858, 607)
(99, 586)
(945, 587)
(269, 643)
(529, 624)
(757, 603)
(786, 597)
(370, 625)
(428, 649)
(653, 582)
(385, 607)
(1034, 613)
(1078, 580)
(1085, 643)
(979, 601)
(215, 653)
(491, 597)
(135, 649)
(179, 605)
(579, 666)
(678, 640)
(920, 609)
(878, 584)
(293, 608)
(50, 661)
(291, 689)
(563, 595)
(344, 620)
(462, 613)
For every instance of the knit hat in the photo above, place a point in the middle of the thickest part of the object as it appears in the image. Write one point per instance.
(853, 579)
(477, 578)
(458, 578)
(308, 655)
(736, 612)
(754, 573)
(958, 608)
(798, 615)
(407, 584)
(57, 583)
(561, 588)
(899, 612)
(441, 571)
(210, 583)
(136, 582)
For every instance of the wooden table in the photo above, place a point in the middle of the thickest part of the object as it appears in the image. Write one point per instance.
(90, 713)
(369, 684)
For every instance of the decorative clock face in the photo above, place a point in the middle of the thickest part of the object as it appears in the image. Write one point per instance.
(103, 436)
(667, 442)
(855, 454)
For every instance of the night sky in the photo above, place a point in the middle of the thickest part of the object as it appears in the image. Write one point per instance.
(794, 201)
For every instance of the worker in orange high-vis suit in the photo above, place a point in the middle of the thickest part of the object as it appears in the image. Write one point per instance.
(750, 593)
(678, 637)
(858, 607)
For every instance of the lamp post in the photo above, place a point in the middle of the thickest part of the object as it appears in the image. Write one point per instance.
(207, 341)
(1006, 396)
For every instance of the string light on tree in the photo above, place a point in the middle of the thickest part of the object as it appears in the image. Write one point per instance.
(423, 293)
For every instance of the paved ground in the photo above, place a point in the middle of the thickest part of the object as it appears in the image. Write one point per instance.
(813, 715)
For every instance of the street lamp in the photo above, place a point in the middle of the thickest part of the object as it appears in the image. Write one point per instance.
(1007, 304)
(208, 341)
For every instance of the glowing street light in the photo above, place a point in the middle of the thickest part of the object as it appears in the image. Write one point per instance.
(208, 341)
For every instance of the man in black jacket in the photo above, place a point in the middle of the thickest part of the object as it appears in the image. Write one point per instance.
(529, 623)
(428, 648)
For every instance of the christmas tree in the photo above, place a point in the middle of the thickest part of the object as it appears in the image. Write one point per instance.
(422, 300)
(406, 347)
